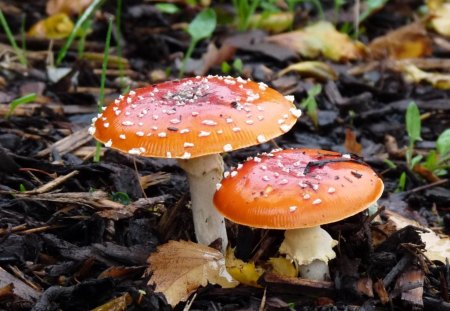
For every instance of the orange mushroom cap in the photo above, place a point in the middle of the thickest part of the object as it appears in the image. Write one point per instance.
(194, 117)
(297, 188)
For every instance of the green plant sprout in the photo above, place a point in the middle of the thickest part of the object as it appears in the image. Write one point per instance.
(20, 53)
(87, 13)
(401, 183)
(120, 197)
(237, 66)
(310, 104)
(244, 11)
(84, 32)
(19, 101)
(413, 127)
(167, 8)
(438, 161)
(201, 27)
(101, 95)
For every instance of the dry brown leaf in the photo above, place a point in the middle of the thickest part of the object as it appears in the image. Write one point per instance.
(117, 304)
(409, 41)
(436, 247)
(351, 144)
(436, 79)
(180, 267)
(72, 7)
(320, 39)
(57, 26)
(440, 16)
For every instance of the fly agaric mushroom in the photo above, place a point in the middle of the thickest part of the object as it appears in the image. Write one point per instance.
(298, 190)
(194, 120)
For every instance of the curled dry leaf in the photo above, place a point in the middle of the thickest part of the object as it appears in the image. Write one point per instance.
(410, 41)
(180, 267)
(274, 23)
(57, 26)
(318, 70)
(436, 247)
(72, 7)
(351, 144)
(320, 39)
(437, 80)
(440, 16)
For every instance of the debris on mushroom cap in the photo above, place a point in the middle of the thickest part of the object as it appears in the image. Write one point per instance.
(324, 186)
(194, 117)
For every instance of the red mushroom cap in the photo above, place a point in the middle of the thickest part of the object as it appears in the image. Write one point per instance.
(297, 188)
(194, 117)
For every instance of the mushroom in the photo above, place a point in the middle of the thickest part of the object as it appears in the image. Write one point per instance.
(194, 120)
(298, 190)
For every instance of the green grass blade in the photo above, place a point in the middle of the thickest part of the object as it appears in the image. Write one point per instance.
(19, 101)
(87, 13)
(101, 96)
(20, 54)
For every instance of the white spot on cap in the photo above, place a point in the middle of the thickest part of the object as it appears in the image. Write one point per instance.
(204, 134)
(229, 120)
(227, 147)
(317, 201)
(209, 122)
(162, 134)
(296, 112)
(184, 131)
(136, 151)
(346, 156)
(290, 98)
(292, 208)
(283, 181)
(168, 154)
(239, 166)
(285, 128)
(140, 133)
(306, 196)
(186, 155)
(226, 174)
(331, 190)
(187, 145)
(91, 130)
(108, 143)
(132, 93)
(315, 187)
(261, 138)
(266, 178)
(233, 173)
(175, 121)
(218, 186)
(249, 122)
(195, 113)
(236, 129)
(127, 123)
(122, 136)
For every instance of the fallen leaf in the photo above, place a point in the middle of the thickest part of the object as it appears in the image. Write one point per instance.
(407, 278)
(117, 304)
(415, 75)
(180, 267)
(274, 23)
(351, 144)
(436, 247)
(283, 266)
(72, 7)
(57, 26)
(320, 39)
(410, 41)
(440, 16)
(244, 272)
(318, 70)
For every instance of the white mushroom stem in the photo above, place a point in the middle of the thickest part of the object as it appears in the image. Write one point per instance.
(311, 249)
(204, 173)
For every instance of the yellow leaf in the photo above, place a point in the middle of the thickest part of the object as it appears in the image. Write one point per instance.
(409, 41)
(57, 26)
(351, 144)
(244, 272)
(436, 79)
(320, 39)
(440, 18)
(283, 266)
(319, 70)
(274, 22)
(180, 267)
(116, 304)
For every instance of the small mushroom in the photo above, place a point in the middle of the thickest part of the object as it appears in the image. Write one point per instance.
(194, 120)
(298, 190)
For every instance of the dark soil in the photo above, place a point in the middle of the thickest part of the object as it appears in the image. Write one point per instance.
(78, 242)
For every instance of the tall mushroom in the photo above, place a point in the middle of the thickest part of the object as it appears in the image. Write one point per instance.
(194, 120)
(298, 190)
